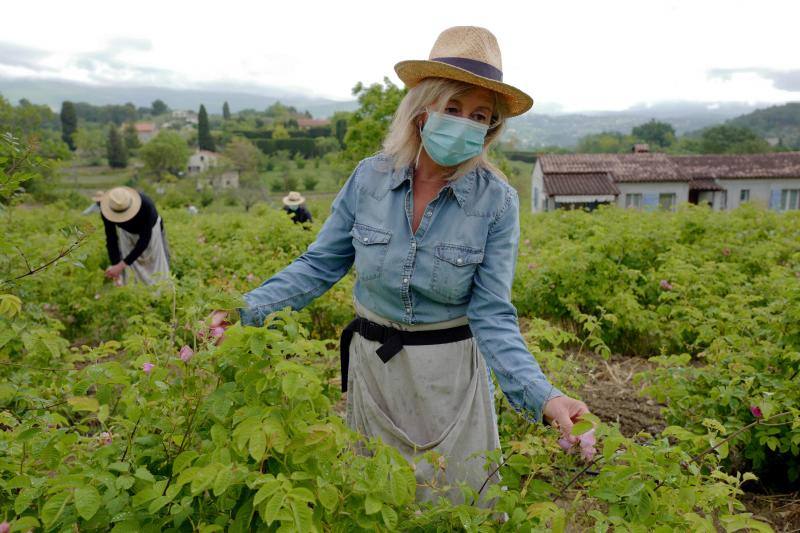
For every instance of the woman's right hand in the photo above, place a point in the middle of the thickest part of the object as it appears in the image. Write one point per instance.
(217, 323)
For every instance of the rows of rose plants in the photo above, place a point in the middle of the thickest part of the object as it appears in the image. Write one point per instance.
(713, 296)
(118, 409)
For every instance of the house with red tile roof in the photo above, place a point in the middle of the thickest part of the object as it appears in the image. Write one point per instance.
(647, 180)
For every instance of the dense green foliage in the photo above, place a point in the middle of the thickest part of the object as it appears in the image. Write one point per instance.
(717, 287)
(105, 419)
(781, 122)
(116, 151)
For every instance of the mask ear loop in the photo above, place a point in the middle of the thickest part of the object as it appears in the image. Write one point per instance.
(419, 150)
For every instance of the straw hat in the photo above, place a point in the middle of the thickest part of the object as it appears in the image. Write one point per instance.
(120, 204)
(469, 54)
(98, 195)
(293, 198)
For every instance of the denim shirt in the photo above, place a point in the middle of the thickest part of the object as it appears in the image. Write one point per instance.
(459, 262)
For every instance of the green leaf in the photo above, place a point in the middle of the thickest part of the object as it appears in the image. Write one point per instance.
(267, 489)
(183, 460)
(271, 509)
(83, 403)
(53, 508)
(581, 427)
(328, 496)
(372, 505)
(25, 523)
(222, 481)
(87, 501)
(258, 444)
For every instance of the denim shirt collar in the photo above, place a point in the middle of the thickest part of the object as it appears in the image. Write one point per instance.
(461, 187)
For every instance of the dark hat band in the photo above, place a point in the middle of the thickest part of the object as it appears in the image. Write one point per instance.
(479, 68)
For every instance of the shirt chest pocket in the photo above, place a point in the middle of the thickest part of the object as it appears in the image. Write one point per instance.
(453, 269)
(370, 245)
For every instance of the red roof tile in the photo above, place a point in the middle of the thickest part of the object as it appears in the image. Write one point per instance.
(588, 184)
(622, 167)
(776, 165)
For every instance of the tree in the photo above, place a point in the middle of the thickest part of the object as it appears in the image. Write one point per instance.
(90, 144)
(115, 149)
(280, 132)
(656, 133)
(19, 165)
(369, 123)
(204, 139)
(166, 152)
(610, 142)
(244, 155)
(131, 137)
(69, 124)
(339, 121)
(727, 139)
(158, 107)
(226, 111)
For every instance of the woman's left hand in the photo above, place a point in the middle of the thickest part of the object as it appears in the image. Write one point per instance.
(565, 411)
(114, 271)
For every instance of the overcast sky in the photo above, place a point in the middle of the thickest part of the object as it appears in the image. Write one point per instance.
(581, 55)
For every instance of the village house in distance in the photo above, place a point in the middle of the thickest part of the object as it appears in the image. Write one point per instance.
(646, 180)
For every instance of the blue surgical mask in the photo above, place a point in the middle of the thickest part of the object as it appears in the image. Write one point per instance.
(452, 140)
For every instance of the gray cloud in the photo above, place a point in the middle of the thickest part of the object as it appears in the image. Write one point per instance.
(14, 55)
(105, 65)
(785, 80)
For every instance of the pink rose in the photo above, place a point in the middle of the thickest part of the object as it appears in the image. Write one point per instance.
(106, 438)
(5, 527)
(565, 444)
(588, 453)
(147, 367)
(587, 439)
(756, 411)
(186, 353)
(217, 332)
(666, 285)
(251, 278)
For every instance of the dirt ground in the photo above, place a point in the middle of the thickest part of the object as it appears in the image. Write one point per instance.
(611, 394)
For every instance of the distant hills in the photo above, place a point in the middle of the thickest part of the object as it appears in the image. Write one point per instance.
(534, 130)
(53, 92)
(777, 124)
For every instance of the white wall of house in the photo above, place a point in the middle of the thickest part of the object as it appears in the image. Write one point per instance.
(678, 188)
(538, 200)
(760, 190)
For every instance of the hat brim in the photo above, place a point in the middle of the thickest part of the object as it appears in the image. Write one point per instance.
(286, 201)
(414, 71)
(121, 216)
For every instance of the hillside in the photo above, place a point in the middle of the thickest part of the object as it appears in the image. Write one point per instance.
(780, 123)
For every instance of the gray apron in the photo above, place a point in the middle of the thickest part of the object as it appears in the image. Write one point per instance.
(426, 398)
(153, 264)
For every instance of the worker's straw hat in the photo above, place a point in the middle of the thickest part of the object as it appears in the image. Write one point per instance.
(293, 198)
(470, 54)
(120, 204)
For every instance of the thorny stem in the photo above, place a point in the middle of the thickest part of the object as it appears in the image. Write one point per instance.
(183, 442)
(130, 438)
(63, 253)
(512, 454)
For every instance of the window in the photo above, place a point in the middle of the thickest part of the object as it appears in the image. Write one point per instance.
(666, 201)
(633, 200)
(744, 195)
(790, 198)
(536, 197)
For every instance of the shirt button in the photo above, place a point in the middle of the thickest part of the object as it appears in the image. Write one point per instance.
(413, 244)
(366, 239)
(428, 213)
(408, 309)
(459, 260)
(405, 280)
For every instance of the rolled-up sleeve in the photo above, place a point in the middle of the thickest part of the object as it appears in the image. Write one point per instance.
(493, 318)
(325, 262)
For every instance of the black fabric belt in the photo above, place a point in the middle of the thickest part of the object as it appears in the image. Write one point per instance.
(392, 340)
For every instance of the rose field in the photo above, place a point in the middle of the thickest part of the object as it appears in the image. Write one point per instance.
(120, 411)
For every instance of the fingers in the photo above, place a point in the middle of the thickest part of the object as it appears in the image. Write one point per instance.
(218, 318)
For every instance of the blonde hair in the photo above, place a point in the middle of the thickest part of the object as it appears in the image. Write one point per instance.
(403, 141)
